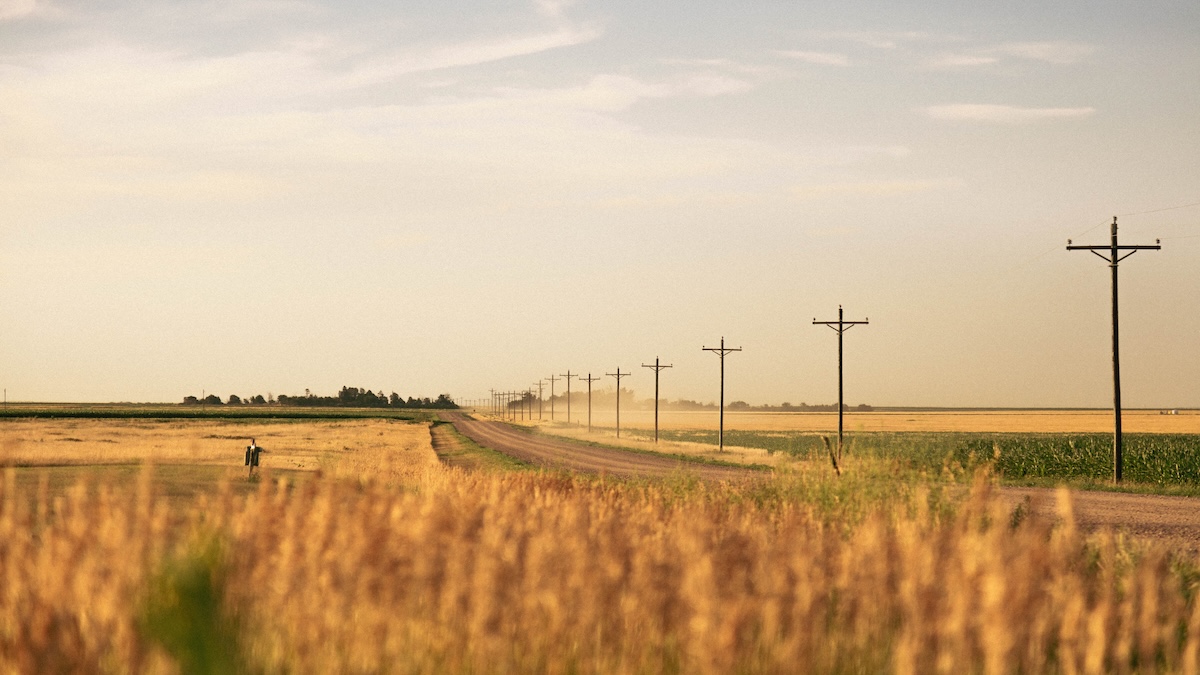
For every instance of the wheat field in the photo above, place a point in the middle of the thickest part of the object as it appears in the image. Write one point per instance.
(386, 561)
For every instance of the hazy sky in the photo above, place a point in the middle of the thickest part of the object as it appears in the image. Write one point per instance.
(267, 196)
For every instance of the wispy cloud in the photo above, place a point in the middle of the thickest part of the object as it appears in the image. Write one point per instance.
(883, 188)
(887, 39)
(818, 58)
(1053, 52)
(952, 61)
(1058, 52)
(1003, 114)
(553, 8)
(471, 53)
(15, 9)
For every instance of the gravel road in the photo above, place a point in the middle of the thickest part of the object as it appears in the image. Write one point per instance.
(562, 454)
(1172, 520)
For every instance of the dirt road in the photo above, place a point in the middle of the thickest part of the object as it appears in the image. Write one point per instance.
(1172, 520)
(560, 454)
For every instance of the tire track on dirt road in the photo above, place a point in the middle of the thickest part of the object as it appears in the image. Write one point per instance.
(562, 454)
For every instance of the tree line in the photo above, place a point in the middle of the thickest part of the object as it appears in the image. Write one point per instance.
(348, 397)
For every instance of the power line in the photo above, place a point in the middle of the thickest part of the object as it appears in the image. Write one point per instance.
(657, 368)
(618, 375)
(1168, 208)
(1113, 259)
(722, 351)
(840, 326)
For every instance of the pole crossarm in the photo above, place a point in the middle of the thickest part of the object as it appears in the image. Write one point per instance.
(1114, 258)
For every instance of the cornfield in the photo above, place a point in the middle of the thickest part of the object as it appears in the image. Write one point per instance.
(438, 570)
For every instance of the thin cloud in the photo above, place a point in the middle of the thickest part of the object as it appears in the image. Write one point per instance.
(16, 9)
(884, 188)
(553, 8)
(951, 61)
(472, 53)
(1051, 52)
(1003, 114)
(818, 58)
(886, 39)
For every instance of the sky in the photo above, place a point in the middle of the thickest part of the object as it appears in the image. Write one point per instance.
(267, 196)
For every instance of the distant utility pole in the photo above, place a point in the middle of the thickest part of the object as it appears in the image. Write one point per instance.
(569, 375)
(722, 351)
(589, 379)
(540, 384)
(493, 404)
(618, 375)
(656, 368)
(552, 379)
(840, 326)
(1113, 258)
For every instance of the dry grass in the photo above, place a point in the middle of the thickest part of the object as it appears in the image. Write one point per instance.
(1018, 421)
(386, 561)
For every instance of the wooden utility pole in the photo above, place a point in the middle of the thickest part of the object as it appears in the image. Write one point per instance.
(618, 375)
(589, 379)
(656, 368)
(552, 379)
(722, 351)
(569, 375)
(493, 401)
(540, 384)
(840, 326)
(1114, 258)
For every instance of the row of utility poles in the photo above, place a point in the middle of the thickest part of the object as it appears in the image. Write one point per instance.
(501, 401)
(1112, 253)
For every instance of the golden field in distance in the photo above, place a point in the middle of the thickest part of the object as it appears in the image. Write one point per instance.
(1015, 421)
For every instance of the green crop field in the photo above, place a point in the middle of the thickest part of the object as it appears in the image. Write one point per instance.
(1166, 460)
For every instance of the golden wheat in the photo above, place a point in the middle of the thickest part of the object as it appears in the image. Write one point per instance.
(427, 569)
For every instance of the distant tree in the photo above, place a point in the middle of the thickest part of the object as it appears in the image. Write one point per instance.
(738, 405)
(191, 400)
(258, 400)
(212, 399)
(234, 399)
(396, 400)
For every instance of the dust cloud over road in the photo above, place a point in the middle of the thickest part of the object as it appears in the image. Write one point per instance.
(560, 454)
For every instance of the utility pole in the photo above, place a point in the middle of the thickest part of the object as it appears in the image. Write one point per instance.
(656, 368)
(569, 375)
(540, 383)
(493, 404)
(1113, 258)
(552, 379)
(618, 375)
(589, 379)
(840, 326)
(722, 351)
